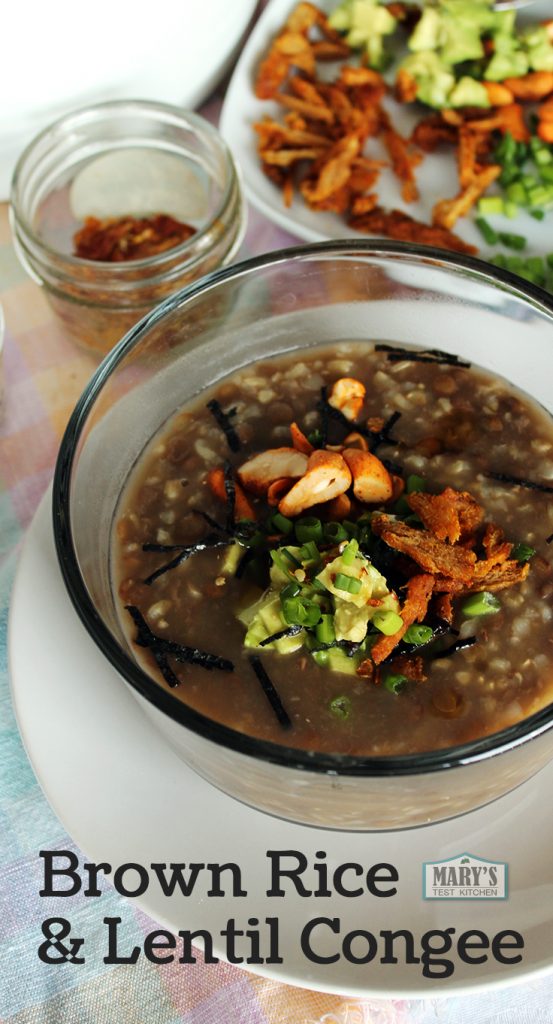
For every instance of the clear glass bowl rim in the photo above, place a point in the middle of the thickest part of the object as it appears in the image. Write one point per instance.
(200, 125)
(290, 757)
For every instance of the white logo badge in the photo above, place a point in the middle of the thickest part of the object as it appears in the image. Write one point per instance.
(465, 877)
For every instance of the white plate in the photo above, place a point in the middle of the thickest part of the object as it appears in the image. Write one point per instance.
(174, 52)
(436, 176)
(124, 796)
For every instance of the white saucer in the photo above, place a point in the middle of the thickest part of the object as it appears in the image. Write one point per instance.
(124, 797)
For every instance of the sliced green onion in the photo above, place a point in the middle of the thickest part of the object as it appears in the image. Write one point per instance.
(281, 523)
(394, 682)
(290, 557)
(543, 159)
(418, 635)
(334, 532)
(310, 553)
(298, 612)
(537, 214)
(486, 230)
(483, 603)
(290, 590)
(549, 260)
(521, 152)
(508, 176)
(387, 622)
(348, 583)
(340, 707)
(490, 204)
(535, 265)
(280, 562)
(315, 438)
(414, 484)
(252, 541)
(400, 507)
(511, 209)
(546, 174)
(512, 241)
(350, 528)
(522, 552)
(516, 193)
(317, 585)
(320, 658)
(541, 195)
(324, 630)
(506, 151)
(350, 551)
(309, 528)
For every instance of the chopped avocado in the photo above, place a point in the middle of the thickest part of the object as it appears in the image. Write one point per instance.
(428, 32)
(265, 618)
(506, 65)
(469, 93)
(462, 42)
(366, 23)
(350, 622)
(280, 577)
(539, 48)
(233, 554)
(336, 660)
(434, 80)
(372, 582)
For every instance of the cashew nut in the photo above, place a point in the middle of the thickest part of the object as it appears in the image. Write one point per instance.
(371, 481)
(347, 395)
(326, 477)
(259, 472)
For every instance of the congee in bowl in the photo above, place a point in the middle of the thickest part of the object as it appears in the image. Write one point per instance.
(304, 510)
(346, 550)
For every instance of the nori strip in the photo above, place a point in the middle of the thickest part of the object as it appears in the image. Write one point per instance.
(426, 355)
(270, 692)
(459, 645)
(506, 478)
(209, 520)
(323, 408)
(290, 631)
(184, 552)
(349, 646)
(379, 437)
(549, 539)
(223, 421)
(374, 437)
(245, 560)
(230, 492)
(161, 648)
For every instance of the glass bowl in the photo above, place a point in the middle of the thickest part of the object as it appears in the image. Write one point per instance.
(295, 299)
(126, 157)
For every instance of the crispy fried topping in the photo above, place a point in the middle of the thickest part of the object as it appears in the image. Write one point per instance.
(449, 515)
(499, 576)
(419, 592)
(397, 224)
(433, 555)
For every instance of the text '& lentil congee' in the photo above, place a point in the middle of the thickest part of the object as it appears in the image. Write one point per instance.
(346, 550)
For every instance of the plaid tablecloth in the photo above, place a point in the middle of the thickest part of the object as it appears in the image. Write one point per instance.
(43, 377)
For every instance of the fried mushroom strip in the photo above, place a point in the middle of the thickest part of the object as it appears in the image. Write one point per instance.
(448, 515)
(419, 592)
(433, 555)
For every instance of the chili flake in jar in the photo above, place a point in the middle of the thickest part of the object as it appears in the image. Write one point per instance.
(118, 239)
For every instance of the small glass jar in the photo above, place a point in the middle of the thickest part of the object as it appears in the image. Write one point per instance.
(124, 152)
